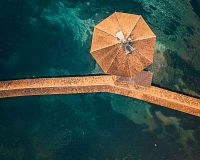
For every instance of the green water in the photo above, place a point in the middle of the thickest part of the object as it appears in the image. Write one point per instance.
(52, 38)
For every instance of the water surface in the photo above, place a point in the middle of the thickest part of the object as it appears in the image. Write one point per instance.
(52, 38)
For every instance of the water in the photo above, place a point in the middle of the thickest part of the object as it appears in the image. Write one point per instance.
(52, 38)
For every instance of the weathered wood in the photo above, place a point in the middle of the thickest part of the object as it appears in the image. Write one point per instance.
(107, 83)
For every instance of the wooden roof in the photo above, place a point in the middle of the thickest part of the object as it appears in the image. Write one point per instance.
(109, 51)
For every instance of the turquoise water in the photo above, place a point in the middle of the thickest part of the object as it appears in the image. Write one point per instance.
(52, 38)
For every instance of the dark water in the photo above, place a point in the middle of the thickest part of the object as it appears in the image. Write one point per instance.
(52, 38)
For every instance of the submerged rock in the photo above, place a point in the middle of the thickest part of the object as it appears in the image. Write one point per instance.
(184, 135)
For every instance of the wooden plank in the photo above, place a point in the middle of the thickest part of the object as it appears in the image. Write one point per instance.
(107, 83)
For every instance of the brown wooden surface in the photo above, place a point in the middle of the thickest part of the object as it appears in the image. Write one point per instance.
(107, 83)
(109, 51)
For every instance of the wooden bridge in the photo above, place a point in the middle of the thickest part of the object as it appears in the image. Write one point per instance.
(105, 83)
